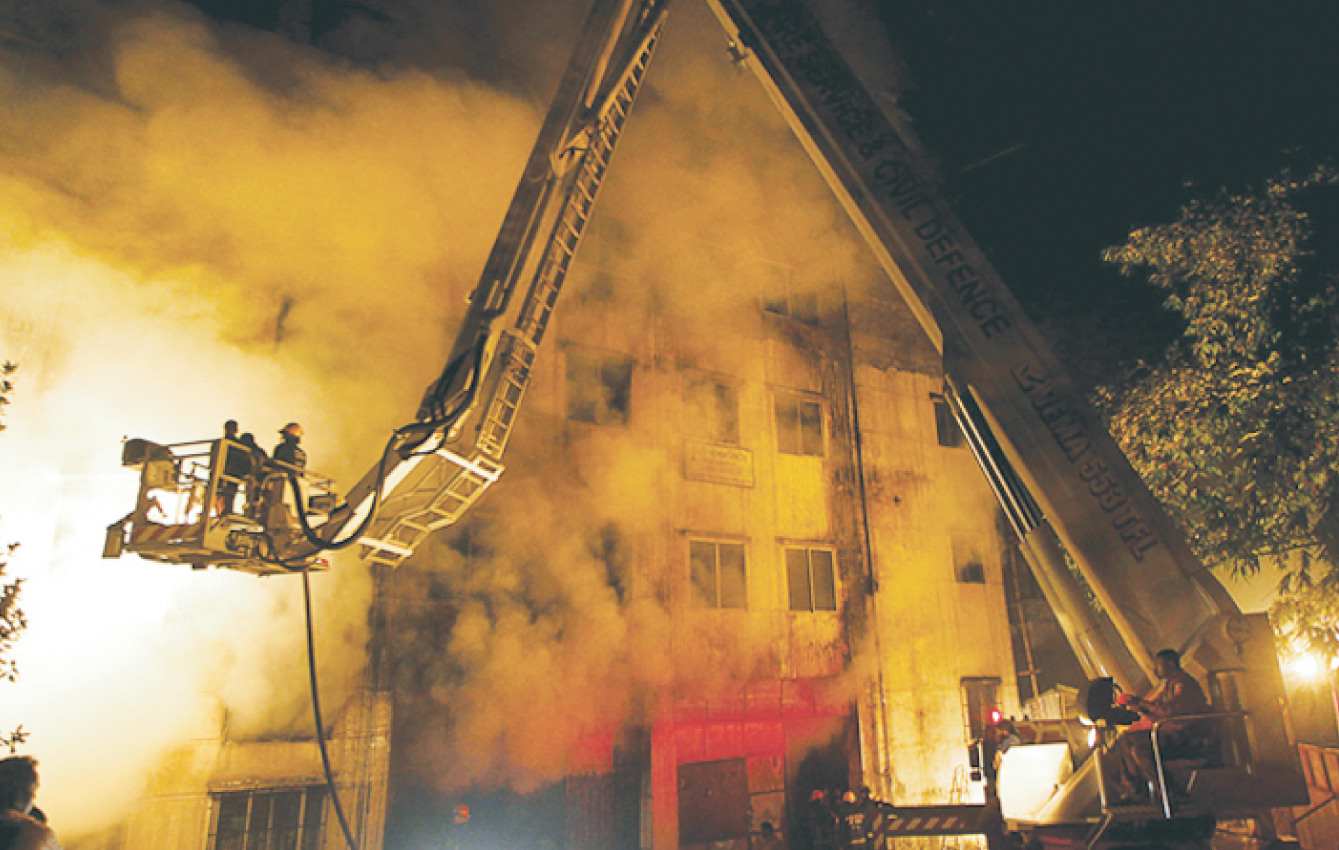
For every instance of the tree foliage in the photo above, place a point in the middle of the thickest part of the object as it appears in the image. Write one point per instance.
(1236, 428)
(12, 621)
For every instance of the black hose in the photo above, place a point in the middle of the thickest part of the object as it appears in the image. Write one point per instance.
(316, 711)
(440, 423)
(434, 403)
(330, 545)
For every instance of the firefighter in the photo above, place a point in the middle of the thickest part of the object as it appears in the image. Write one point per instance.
(277, 516)
(256, 465)
(854, 820)
(236, 466)
(22, 825)
(288, 449)
(821, 821)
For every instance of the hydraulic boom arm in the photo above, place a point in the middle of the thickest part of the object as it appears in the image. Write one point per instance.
(1064, 485)
(435, 468)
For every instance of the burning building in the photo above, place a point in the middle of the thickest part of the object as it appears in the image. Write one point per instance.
(741, 552)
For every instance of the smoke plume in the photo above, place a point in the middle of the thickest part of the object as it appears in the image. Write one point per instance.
(202, 221)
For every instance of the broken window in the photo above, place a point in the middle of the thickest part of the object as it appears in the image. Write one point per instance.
(718, 574)
(968, 565)
(713, 412)
(611, 548)
(799, 426)
(288, 819)
(784, 298)
(811, 580)
(598, 388)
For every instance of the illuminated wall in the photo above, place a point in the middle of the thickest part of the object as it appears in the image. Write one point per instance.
(723, 487)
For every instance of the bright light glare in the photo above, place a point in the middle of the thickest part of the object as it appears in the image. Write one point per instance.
(1306, 666)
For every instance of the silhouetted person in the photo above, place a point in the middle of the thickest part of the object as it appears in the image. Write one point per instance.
(767, 838)
(999, 737)
(236, 466)
(288, 449)
(854, 822)
(821, 821)
(19, 829)
(258, 461)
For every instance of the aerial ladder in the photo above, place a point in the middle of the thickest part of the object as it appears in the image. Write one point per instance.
(280, 518)
(1086, 524)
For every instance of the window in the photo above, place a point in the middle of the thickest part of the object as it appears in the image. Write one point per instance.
(269, 820)
(598, 389)
(611, 548)
(713, 412)
(980, 704)
(972, 572)
(799, 426)
(811, 580)
(946, 426)
(784, 299)
(719, 579)
(968, 565)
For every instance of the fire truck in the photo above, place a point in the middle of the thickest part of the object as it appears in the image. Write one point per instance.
(1086, 525)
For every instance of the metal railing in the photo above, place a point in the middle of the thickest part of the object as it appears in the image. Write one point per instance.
(1224, 738)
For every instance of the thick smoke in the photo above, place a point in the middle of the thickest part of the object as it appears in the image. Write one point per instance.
(551, 621)
(202, 222)
(185, 240)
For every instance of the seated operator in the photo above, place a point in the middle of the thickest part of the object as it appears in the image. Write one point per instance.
(1179, 695)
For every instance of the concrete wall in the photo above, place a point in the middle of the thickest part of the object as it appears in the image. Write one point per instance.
(909, 630)
(179, 808)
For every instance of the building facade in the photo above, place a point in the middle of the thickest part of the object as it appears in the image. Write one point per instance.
(741, 555)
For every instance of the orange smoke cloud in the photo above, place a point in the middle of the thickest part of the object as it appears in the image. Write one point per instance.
(204, 223)
(186, 242)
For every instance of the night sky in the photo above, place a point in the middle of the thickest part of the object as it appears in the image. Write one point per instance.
(1063, 125)
(1060, 126)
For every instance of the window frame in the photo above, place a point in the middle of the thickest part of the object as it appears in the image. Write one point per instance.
(980, 695)
(712, 431)
(799, 446)
(737, 591)
(308, 830)
(811, 585)
(604, 414)
(947, 431)
(785, 299)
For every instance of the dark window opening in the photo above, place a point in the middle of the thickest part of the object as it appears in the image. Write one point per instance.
(946, 427)
(799, 426)
(785, 299)
(811, 580)
(972, 572)
(718, 574)
(968, 565)
(610, 548)
(713, 412)
(290, 819)
(980, 704)
(599, 389)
